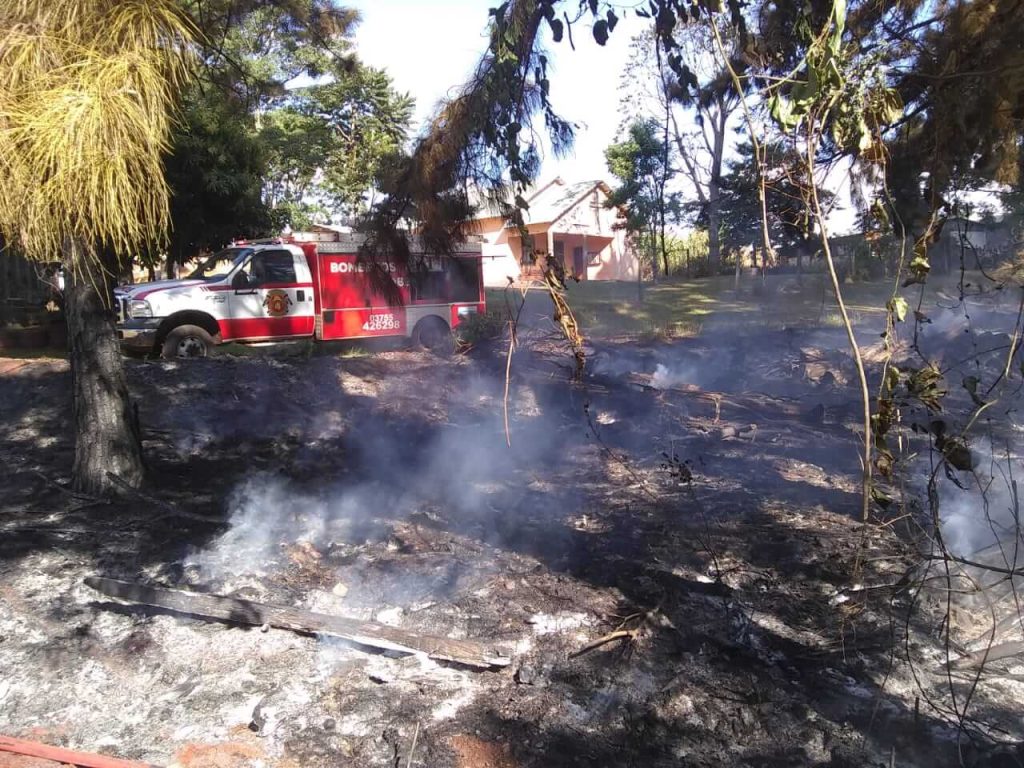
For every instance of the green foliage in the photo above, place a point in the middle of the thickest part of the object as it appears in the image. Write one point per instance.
(215, 172)
(329, 142)
(637, 163)
(250, 155)
(787, 197)
(482, 327)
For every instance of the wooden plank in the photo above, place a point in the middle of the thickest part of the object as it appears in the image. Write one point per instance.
(369, 633)
(64, 756)
(989, 655)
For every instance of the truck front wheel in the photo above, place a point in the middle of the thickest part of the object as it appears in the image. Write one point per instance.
(433, 334)
(186, 341)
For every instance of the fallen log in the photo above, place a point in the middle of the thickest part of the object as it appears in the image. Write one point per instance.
(988, 655)
(469, 653)
(64, 756)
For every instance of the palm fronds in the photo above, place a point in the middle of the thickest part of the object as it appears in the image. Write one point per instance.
(87, 89)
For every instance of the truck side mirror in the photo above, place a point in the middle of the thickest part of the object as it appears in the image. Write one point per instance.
(240, 281)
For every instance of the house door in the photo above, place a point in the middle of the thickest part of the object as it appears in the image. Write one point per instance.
(579, 262)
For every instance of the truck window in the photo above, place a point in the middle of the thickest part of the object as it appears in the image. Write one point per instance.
(218, 266)
(464, 278)
(428, 282)
(273, 267)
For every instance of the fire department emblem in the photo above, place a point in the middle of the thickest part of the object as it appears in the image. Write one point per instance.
(277, 303)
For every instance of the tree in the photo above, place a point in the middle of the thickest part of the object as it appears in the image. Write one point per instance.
(787, 199)
(638, 163)
(216, 173)
(327, 142)
(86, 93)
(697, 122)
(322, 143)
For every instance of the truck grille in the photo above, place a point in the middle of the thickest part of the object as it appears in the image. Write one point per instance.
(121, 307)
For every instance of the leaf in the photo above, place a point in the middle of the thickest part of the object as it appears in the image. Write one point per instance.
(971, 385)
(807, 91)
(782, 112)
(919, 264)
(556, 29)
(898, 306)
(612, 20)
(593, 7)
(601, 31)
(890, 106)
(956, 453)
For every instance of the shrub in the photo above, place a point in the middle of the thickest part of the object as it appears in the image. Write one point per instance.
(481, 327)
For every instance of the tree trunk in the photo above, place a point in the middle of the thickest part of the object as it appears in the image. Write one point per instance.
(106, 429)
(714, 227)
(652, 234)
(721, 120)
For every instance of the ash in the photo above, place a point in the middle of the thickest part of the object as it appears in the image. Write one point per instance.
(695, 498)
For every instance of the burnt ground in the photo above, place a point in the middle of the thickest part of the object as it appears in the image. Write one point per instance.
(704, 495)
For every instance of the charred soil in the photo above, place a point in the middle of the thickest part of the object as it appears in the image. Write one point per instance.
(669, 552)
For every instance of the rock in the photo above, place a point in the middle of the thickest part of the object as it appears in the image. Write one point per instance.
(390, 616)
(526, 675)
(339, 590)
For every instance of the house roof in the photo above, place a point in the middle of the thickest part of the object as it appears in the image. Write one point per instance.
(555, 199)
(548, 202)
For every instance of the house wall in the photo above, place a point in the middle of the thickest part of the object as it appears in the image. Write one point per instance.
(500, 252)
(614, 260)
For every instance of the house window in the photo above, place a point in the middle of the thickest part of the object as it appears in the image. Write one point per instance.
(594, 259)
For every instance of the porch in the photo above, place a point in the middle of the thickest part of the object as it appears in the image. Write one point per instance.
(581, 254)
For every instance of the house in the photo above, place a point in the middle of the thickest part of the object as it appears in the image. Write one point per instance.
(567, 220)
(321, 233)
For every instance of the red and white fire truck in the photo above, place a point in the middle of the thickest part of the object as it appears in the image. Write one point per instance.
(285, 290)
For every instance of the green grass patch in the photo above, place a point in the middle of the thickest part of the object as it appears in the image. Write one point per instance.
(675, 308)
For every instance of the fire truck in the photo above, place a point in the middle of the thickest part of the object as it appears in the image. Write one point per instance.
(282, 290)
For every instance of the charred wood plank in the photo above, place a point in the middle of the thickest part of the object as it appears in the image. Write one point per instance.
(989, 655)
(469, 653)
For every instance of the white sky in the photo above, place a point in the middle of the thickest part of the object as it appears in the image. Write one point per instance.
(429, 47)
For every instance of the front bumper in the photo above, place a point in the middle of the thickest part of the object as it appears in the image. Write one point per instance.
(138, 334)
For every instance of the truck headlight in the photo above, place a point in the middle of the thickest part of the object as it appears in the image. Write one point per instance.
(140, 309)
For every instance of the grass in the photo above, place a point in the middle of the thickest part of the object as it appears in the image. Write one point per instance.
(674, 308)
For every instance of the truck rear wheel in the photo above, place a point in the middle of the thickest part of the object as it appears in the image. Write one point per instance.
(434, 335)
(186, 341)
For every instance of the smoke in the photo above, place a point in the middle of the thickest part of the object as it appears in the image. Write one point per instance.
(268, 514)
(448, 465)
(666, 378)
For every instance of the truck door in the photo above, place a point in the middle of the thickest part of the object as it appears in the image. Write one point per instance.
(273, 300)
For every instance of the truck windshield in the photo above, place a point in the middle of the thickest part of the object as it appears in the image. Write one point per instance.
(220, 264)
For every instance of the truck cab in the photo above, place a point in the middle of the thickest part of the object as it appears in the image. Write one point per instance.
(254, 292)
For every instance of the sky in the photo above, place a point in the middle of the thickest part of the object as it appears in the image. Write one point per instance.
(429, 47)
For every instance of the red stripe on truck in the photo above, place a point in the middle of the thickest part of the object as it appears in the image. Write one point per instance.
(253, 328)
